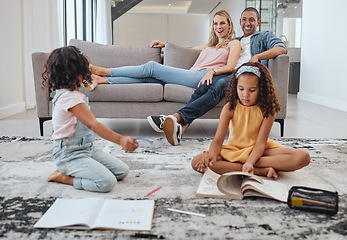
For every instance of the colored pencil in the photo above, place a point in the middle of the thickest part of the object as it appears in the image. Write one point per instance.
(186, 212)
(152, 191)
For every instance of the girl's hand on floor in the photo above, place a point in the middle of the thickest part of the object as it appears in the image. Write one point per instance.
(128, 143)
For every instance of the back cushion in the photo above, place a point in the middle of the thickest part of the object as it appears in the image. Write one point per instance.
(116, 56)
(180, 57)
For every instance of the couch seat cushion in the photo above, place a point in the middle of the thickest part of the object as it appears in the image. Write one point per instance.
(144, 92)
(177, 93)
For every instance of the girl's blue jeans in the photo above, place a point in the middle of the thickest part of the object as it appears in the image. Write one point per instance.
(93, 170)
(153, 72)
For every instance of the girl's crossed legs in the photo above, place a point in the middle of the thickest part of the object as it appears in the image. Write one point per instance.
(275, 159)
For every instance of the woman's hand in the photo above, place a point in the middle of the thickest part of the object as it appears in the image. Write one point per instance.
(207, 78)
(128, 143)
(157, 44)
(248, 167)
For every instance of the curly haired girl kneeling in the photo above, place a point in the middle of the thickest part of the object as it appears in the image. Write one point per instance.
(250, 110)
(78, 163)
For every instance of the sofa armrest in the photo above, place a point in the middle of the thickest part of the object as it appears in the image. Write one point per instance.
(279, 68)
(42, 94)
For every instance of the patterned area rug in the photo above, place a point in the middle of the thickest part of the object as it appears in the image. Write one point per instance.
(25, 195)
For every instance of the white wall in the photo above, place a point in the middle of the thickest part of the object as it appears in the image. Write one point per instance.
(11, 61)
(323, 79)
(138, 29)
(234, 8)
(26, 27)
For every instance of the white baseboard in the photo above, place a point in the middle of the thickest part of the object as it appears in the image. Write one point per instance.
(12, 109)
(327, 102)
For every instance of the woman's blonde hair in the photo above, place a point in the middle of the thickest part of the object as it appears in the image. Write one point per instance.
(213, 40)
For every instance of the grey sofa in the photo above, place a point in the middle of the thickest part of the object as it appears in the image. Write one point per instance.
(141, 100)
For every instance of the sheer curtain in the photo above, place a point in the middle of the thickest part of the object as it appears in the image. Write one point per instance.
(103, 22)
(45, 25)
(41, 31)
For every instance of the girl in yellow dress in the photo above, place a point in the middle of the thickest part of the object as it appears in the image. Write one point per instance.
(250, 110)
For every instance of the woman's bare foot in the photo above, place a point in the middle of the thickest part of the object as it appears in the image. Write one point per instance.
(99, 79)
(60, 177)
(100, 71)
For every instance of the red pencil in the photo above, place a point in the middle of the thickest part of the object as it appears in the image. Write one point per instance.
(152, 191)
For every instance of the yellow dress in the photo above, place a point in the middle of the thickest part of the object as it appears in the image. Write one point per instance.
(243, 132)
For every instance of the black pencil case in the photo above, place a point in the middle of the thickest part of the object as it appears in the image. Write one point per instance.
(313, 200)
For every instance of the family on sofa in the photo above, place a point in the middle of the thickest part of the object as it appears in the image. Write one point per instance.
(251, 94)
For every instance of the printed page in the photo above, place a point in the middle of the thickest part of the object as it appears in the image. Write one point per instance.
(208, 185)
(126, 215)
(269, 188)
(71, 213)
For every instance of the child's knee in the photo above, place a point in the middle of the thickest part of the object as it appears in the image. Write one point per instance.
(194, 161)
(123, 172)
(107, 184)
(303, 158)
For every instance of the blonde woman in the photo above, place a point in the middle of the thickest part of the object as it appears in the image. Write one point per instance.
(219, 56)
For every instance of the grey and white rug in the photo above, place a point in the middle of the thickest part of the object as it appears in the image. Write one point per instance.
(25, 195)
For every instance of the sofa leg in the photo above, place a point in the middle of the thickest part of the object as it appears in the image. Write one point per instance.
(41, 121)
(281, 122)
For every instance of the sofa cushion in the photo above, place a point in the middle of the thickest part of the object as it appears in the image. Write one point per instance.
(180, 57)
(181, 94)
(117, 56)
(177, 93)
(144, 92)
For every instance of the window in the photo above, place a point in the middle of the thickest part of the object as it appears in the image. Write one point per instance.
(78, 20)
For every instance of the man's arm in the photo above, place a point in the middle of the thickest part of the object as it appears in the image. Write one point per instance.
(269, 54)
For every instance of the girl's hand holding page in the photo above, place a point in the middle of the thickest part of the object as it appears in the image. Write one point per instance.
(248, 167)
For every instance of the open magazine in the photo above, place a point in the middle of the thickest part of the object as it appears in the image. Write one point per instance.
(237, 185)
(99, 213)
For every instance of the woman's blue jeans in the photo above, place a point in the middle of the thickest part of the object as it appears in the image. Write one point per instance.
(205, 98)
(153, 72)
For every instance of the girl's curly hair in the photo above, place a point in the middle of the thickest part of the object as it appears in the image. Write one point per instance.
(64, 67)
(268, 100)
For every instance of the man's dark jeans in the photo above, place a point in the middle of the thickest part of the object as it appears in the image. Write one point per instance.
(205, 98)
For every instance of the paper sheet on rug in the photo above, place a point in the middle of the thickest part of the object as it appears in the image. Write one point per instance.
(99, 213)
(237, 185)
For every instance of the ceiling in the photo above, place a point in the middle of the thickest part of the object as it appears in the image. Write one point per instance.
(176, 6)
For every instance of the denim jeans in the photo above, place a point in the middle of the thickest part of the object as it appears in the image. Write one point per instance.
(93, 170)
(153, 72)
(205, 98)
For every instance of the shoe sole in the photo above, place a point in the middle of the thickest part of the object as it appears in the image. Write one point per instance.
(170, 130)
(153, 125)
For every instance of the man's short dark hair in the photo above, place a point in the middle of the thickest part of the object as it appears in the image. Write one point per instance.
(252, 9)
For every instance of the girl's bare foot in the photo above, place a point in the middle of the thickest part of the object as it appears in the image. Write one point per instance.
(60, 177)
(272, 173)
(268, 172)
